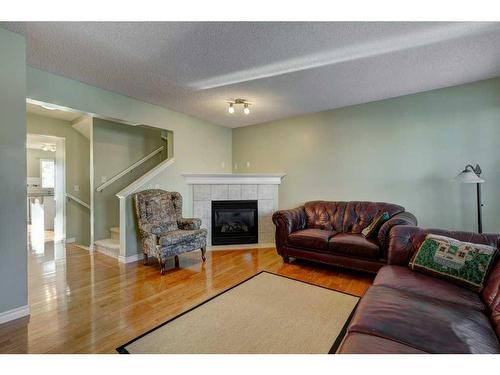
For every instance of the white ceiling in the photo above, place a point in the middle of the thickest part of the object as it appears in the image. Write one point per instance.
(283, 68)
(36, 141)
(52, 113)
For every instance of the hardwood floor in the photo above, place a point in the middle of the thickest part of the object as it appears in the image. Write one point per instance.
(85, 302)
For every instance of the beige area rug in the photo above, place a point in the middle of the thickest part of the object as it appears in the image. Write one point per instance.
(266, 313)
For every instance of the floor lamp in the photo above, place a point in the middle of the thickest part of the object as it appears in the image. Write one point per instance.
(471, 175)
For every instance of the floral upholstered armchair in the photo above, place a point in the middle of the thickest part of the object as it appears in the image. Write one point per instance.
(163, 231)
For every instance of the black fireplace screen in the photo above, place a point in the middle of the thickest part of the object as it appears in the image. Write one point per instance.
(234, 222)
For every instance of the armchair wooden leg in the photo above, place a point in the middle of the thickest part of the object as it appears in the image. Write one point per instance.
(286, 259)
(146, 260)
(203, 251)
(163, 267)
(176, 258)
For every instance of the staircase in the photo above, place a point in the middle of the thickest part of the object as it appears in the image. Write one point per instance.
(110, 246)
(141, 152)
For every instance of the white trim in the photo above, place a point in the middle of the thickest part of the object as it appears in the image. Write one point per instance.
(242, 246)
(123, 227)
(141, 181)
(130, 168)
(130, 258)
(18, 312)
(88, 248)
(92, 185)
(124, 193)
(234, 178)
(103, 250)
(60, 189)
(83, 113)
(65, 240)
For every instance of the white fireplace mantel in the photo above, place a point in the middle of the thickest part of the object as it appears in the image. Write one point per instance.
(234, 178)
(262, 187)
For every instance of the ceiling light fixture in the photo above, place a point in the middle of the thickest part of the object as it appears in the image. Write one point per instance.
(49, 147)
(244, 102)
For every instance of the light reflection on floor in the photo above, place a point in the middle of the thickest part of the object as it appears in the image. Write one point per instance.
(47, 257)
(41, 242)
(37, 229)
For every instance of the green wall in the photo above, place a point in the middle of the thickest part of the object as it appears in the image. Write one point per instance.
(13, 266)
(117, 146)
(404, 150)
(77, 171)
(33, 157)
(198, 146)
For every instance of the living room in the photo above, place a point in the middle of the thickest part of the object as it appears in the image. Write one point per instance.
(323, 187)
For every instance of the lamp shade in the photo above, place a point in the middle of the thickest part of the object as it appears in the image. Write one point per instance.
(468, 177)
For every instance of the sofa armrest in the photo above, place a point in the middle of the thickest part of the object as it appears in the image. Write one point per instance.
(286, 222)
(402, 243)
(189, 223)
(152, 229)
(403, 218)
(404, 240)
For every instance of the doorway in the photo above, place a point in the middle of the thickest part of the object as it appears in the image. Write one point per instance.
(63, 140)
(46, 189)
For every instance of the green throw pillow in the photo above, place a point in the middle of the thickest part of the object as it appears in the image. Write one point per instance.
(462, 263)
(375, 225)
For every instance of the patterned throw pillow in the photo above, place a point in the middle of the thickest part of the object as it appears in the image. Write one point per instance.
(372, 229)
(462, 263)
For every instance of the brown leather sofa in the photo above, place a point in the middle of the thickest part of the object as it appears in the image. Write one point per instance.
(330, 232)
(409, 312)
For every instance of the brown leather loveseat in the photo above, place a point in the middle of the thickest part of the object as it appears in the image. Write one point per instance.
(330, 232)
(409, 312)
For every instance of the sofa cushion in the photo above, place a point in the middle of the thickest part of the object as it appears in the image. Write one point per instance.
(360, 343)
(176, 237)
(311, 238)
(463, 263)
(405, 279)
(358, 215)
(427, 324)
(354, 244)
(325, 215)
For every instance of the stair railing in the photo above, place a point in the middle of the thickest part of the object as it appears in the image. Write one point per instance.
(128, 169)
(78, 200)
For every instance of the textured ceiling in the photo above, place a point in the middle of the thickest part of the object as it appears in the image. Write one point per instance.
(283, 68)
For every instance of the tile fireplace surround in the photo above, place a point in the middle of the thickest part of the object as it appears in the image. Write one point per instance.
(228, 186)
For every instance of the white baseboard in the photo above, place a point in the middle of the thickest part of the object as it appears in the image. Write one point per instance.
(67, 240)
(140, 256)
(110, 254)
(84, 247)
(16, 313)
(130, 258)
(242, 247)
